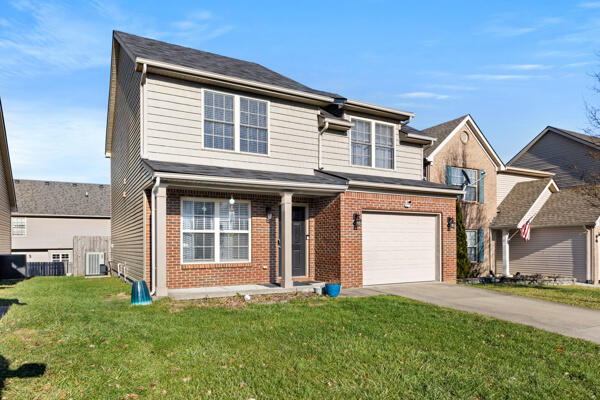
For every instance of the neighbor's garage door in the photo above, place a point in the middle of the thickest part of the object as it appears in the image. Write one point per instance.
(398, 248)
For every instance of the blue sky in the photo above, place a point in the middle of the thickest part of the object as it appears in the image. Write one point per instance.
(514, 66)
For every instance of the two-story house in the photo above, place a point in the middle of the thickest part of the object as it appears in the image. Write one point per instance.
(227, 173)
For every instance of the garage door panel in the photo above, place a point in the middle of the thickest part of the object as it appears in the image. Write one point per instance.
(399, 248)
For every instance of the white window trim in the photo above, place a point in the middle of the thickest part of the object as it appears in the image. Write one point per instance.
(372, 123)
(61, 257)
(215, 231)
(477, 181)
(12, 231)
(476, 231)
(236, 123)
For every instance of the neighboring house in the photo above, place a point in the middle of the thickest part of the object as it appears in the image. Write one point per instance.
(562, 205)
(462, 156)
(224, 172)
(573, 157)
(52, 214)
(8, 202)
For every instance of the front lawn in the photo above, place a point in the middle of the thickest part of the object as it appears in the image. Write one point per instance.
(580, 296)
(90, 344)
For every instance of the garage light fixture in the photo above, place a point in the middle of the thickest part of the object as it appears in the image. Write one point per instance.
(451, 223)
(356, 222)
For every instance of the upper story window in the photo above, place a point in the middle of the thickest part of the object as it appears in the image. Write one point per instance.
(366, 147)
(466, 178)
(19, 226)
(234, 122)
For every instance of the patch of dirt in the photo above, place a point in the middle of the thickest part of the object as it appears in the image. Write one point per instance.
(118, 296)
(235, 302)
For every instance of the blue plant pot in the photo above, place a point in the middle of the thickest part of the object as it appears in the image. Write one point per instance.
(333, 289)
(140, 296)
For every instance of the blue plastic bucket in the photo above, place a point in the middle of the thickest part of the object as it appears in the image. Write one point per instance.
(333, 289)
(140, 296)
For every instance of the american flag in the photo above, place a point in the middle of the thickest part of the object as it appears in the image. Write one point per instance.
(526, 230)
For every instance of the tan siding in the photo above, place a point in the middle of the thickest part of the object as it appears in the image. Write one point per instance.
(570, 160)
(506, 182)
(58, 232)
(5, 231)
(128, 174)
(174, 133)
(551, 251)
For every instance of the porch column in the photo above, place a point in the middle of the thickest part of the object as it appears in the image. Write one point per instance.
(161, 241)
(286, 240)
(505, 253)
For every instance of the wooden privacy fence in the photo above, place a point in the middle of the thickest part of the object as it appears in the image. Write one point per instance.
(56, 268)
(88, 244)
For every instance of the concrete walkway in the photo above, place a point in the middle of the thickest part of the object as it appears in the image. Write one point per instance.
(228, 291)
(567, 320)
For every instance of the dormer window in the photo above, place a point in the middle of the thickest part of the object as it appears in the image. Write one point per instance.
(366, 147)
(235, 123)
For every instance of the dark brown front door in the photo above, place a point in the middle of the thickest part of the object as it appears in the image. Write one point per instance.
(298, 241)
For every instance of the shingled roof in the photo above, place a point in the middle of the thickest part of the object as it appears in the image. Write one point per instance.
(587, 138)
(156, 50)
(62, 198)
(574, 206)
(440, 132)
(516, 204)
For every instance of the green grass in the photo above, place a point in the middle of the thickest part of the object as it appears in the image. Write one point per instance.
(93, 345)
(580, 296)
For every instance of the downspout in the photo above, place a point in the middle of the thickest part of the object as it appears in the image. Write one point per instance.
(321, 132)
(153, 234)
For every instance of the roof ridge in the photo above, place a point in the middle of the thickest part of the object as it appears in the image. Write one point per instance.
(18, 180)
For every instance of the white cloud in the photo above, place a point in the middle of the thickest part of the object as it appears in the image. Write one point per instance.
(580, 64)
(502, 26)
(501, 77)
(526, 67)
(461, 88)
(62, 143)
(424, 95)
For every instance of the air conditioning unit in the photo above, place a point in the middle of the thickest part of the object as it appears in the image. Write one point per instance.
(93, 260)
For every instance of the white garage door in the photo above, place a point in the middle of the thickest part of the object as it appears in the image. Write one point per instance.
(398, 248)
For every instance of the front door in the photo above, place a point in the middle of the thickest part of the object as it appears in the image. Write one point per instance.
(298, 241)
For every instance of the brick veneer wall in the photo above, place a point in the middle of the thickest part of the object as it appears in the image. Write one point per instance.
(351, 240)
(264, 248)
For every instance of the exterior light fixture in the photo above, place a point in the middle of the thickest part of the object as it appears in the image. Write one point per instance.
(231, 200)
(356, 222)
(269, 213)
(451, 223)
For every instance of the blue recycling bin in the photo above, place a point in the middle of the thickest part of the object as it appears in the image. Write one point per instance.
(140, 296)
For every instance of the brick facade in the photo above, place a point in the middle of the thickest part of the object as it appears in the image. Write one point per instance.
(334, 248)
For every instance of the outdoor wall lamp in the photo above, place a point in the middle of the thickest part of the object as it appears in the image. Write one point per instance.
(269, 213)
(356, 222)
(451, 223)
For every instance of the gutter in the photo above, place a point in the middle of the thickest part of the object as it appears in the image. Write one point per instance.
(321, 132)
(406, 187)
(153, 235)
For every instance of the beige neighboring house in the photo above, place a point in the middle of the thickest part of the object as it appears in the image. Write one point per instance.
(8, 201)
(461, 155)
(52, 214)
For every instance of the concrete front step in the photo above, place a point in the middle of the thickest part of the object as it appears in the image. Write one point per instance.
(227, 291)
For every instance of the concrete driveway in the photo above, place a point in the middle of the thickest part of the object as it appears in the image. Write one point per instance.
(567, 320)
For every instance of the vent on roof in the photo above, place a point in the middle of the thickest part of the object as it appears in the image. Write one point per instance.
(74, 184)
(17, 181)
(87, 194)
(47, 183)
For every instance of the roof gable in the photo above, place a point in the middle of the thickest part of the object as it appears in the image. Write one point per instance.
(444, 133)
(62, 198)
(519, 201)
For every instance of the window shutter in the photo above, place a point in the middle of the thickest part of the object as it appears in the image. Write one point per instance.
(481, 245)
(448, 175)
(481, 185)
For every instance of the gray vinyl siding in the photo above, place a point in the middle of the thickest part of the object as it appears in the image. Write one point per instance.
(551, 251)
(505, 183)
(174, 127)
(5, 226)
(129, 178)
(570, 160)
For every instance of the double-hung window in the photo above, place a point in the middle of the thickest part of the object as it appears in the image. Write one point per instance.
(472, 245)
(19, 226)
(233, 122)
(372, 150)
(57, 257)
(215, 231)
(466, 178)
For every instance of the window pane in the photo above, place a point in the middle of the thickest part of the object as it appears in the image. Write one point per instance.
(253, 126)
(198, 215)
(234, 217)
(198, 246)
(234, 246)
(218, 121)
(470, 193)
(361, 143)
(472, 245)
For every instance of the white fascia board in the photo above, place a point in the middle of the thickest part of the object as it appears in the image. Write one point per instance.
(528, 171)
(431, 157)
(355, 105)
(408, 188)
(550, 186)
